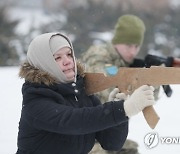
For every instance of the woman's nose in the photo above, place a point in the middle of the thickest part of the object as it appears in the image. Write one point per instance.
(66, 60)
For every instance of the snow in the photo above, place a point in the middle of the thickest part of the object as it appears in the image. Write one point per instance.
(32, 18)
(175, 3)
(168, 125)
(167, 109)
(10, 102)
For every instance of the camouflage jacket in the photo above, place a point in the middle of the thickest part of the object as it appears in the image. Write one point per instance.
(98, 58)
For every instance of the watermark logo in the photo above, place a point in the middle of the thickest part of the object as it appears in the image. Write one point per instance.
(170, 140)
(151, 140)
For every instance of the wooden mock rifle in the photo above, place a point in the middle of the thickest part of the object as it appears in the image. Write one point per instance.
(129, 79)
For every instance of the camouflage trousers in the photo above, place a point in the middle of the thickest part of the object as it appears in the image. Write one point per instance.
(129, 147)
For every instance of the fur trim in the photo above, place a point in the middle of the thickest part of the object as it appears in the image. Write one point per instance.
(80, 68)
(35, 75)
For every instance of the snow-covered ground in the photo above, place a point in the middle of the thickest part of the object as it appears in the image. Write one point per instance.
(168, 128)
(10, 108)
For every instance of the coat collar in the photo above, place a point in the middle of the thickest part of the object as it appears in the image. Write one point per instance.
(35, 75)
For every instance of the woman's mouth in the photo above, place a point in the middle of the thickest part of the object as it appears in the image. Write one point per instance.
(69, 73)
(68, 70)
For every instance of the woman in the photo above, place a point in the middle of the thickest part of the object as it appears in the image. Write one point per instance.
(57, 116)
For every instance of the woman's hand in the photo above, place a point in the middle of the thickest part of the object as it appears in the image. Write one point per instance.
(140, 98)
(115, 95)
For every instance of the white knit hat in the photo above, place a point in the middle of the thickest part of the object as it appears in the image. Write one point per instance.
(57, 42)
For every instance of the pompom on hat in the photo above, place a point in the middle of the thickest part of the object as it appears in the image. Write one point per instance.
(129, 29)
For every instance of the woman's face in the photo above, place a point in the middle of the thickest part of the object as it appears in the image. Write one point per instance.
(64, 59)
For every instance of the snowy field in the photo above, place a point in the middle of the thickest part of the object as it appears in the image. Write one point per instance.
(167, 132)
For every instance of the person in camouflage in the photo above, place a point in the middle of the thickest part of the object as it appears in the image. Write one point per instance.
(109, 57)
(120, 52)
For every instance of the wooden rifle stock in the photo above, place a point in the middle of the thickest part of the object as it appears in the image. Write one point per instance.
(129, 79)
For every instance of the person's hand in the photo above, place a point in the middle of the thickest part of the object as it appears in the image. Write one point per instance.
(115, 95)
(140, 98)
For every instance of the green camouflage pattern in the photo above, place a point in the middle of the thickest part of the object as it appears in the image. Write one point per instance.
(97, 58)
(130, 147)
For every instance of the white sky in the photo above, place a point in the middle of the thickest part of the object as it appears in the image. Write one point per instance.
(11, 100)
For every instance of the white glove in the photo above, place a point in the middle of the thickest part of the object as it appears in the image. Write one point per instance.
(140, 98)
(115, 95)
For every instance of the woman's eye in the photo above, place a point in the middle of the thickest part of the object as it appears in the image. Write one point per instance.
(57, 58)
(69, 55)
